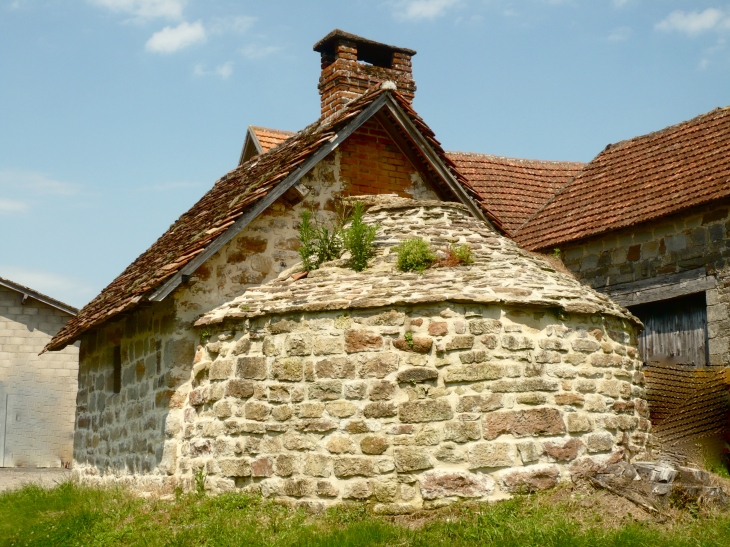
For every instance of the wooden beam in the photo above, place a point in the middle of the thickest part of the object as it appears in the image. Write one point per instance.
(660, 288)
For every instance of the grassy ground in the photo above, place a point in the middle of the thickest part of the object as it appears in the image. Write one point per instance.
(78, 516)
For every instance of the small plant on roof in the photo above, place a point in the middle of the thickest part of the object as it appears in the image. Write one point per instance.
(359, 238)
(318, 242)
(457, 255)
(414, 255)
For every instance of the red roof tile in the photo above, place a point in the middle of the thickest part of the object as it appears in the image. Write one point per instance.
(270, 138)
(230, 197)
(638, 180)
(513, 189)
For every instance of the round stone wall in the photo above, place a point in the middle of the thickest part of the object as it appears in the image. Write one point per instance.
(409, 407)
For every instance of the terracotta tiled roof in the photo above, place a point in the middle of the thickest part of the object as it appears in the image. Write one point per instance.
(638, 180)
(231, 197)
(513, 189)
(270, 138)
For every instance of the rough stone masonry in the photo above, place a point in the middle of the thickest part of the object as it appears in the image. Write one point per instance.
(403, 390)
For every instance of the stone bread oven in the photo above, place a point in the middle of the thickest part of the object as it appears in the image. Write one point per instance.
(410, 390)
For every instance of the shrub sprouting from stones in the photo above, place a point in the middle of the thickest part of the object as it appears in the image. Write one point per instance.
(318, 242)
(457, 255)
(358, 239)
(414, 255)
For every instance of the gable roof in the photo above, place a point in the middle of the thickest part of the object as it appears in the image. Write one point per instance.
(260, 140)
(513, 189)
(637, 180)
(244, 193)
(27, 292)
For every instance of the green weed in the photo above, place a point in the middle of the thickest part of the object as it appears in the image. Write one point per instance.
(414, 255)
(359, 239)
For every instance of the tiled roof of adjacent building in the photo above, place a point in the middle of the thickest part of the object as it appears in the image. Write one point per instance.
(270, 138)
(230, 198)
(638, 180)
(513, 189)
(32, 293)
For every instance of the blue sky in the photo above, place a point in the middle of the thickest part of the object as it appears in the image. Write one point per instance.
(117, 115)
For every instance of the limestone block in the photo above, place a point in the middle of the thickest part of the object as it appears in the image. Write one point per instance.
(285, 465)
(479, 403)
(484, 326)
(262, 467)
(355, 390)
(288, 369)
(311, 409)
(353, 466)
(361, 426)
(525, 384)
(253, 368)
(222, 409)
(168, 463)
(317, 465)
(298, 344)
(326, 390)
(417, 344)
(523, 423)
(221, 369)
(362, 340)
(462, 432)
(382, 390)
(374, 445)
(428, 435)
(380, 409)
(532, 479)
(357, 490)
(279, 393)
(242, 346)
(409, 459)
(234, 467)
(594, 403)
(464, 341)
(530, 451)
(585, 345)
(327, 345)
(469, 357)
(598, 442)
(516, 343)
(384, 491)
(392, 509)
(282, 326)
(578, 422)
(256, 411)
(340, 444)
(236, 426)
(378, 365)
(492, 455)
(326, 489)
(473, 373)
(438, 328)
(428, 410)
(242, 389)
(531, 398)
(341, 409)
(417, 375)
(317, 425)
(563, 452)
(335, 367)
(298, 488)
(442, 484)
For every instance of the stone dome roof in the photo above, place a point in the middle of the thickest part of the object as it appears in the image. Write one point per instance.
(502, 272)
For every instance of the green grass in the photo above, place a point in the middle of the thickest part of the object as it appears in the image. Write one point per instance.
(79, 516)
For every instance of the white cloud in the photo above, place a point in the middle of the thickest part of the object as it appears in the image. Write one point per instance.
(145, 9)
(255, 51)
(704, 63)
(67, 289)
(172, 39)
(9, 206)
(620, 3)
(422, 9)
(695, 22)
(24, 182)
(239, 24)
(224, 71)
(619, 34)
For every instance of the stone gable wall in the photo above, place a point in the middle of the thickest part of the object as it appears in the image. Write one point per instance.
(476, 402)
(123, 433)
(696, 239)
(39, 390)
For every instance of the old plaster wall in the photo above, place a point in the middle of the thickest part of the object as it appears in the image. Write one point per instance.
(37, 393)
(123, 433)
(476, 402)
(695, 239)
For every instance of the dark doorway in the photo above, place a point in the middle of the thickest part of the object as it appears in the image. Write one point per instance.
(675, 330)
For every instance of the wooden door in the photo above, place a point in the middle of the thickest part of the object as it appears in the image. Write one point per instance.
(674, 329)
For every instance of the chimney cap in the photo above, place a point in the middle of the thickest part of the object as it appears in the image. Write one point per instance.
(366, 48)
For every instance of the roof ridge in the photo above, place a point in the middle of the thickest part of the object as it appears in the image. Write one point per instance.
(498, 157)
(667, 129)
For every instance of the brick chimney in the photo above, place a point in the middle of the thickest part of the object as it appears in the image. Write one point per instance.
(351, 65)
